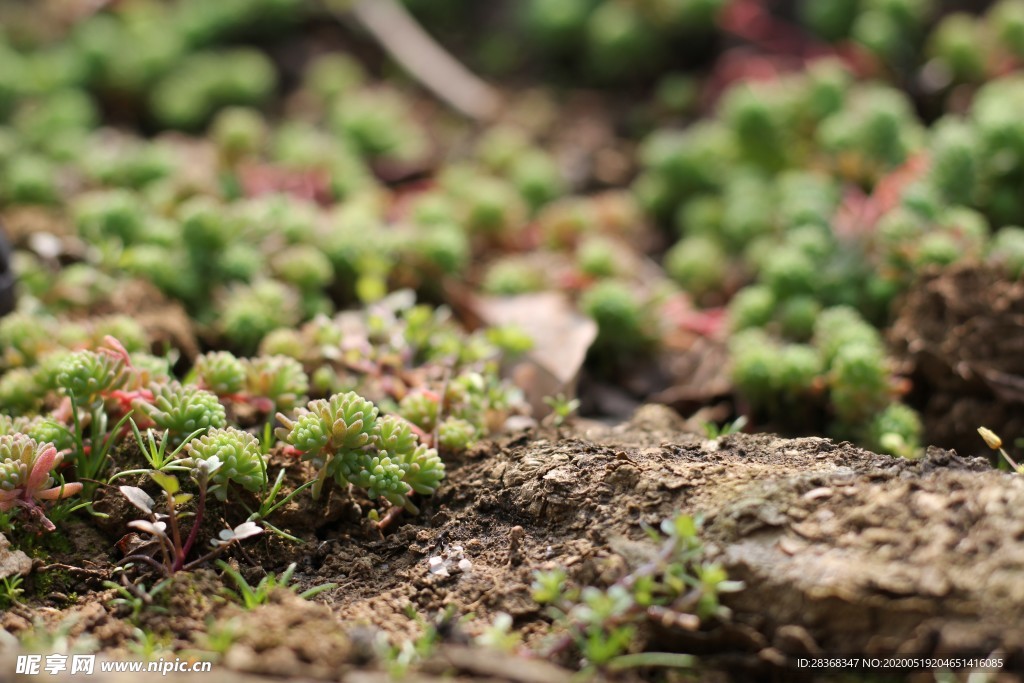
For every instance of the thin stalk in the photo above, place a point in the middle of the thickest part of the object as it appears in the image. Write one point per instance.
(175, 532)
(194, 533)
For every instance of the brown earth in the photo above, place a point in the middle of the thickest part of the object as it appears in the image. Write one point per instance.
(958, 332)
(841, 551)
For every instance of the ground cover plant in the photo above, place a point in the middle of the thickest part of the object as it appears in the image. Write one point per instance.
(320, 340)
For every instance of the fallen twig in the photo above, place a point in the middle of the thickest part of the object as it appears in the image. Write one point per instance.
(419, 54)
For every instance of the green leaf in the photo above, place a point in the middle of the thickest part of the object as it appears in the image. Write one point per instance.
(168, 482)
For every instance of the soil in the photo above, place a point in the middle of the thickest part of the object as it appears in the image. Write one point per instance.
(958, 333)
(840, 550)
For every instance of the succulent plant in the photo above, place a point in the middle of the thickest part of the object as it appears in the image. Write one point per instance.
(859, 382)
(752, 306)
(47, 430)
(220, 372)
(345, 438)
(619, 313)
(421, 408)
(248, 313)
(25, 475)
(183, 409)
(331, 75)
(278, 379)
(88, 375)
(111, 214)
(896, 430)
(304, 266)
(1007, 21)
(456, 434)
(698, 264)
(841, 326)
(239, 454)
(239, 132)
(960, 44)
(24, 338)
(1007, 250)
(754, 366)
(202, 83)
(20, 391)
(126, 330)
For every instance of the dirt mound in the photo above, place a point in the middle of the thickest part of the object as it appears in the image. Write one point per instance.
(841, 550)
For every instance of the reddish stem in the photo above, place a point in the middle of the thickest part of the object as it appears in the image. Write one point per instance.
(194, 533)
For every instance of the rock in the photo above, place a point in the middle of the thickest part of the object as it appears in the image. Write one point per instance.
(13, 562)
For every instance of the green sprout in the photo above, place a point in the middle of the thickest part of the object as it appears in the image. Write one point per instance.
(562, 407)
(676, 588)
(713, 431)
(251, 597)
(11, 591)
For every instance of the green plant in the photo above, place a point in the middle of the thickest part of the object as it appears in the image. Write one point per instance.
(676, 587)
(250, 596)
(165, 528)
(269, 502)
(421, 407)
(149, 645)
(182, 409)
(713, 431)
(399, 659)
(241, 459)
(275, 382)
(562, 407)
(345, 438)
(133, 598)
(619, 313)
(156, 454)
(92, 450)
(204, 82)
(456, 434)
(499, 634)
(246, 313)
(220, 372)
(10, 591)
(698, 264)
(895, 430)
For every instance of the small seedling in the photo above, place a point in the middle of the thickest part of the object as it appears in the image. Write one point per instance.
(147, 645)
(562, 408)
(220, 635)
(400, 658)
(136, 597)
(499, 634)
(251, 597)
(712, 431)
(165, 529)
(155, 452)
(675, 589)
(269, 504)
(91, 453)
(10, 591)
